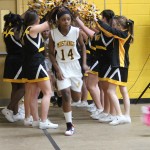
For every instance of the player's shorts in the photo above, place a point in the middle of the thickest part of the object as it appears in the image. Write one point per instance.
(72, 74)
(74, 83)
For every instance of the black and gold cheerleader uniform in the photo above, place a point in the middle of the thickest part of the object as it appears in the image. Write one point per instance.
(118, 73)
(92, 60)
(13, 61)
(34, 69)
(103, 47)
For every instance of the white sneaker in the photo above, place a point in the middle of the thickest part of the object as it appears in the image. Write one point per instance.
(102, 115)
(127, 119)
(98, 111)
(47, 124)
(8, 114)
(21, 109)
(70, 132)
(28, 121)
(92, 109)
(19, 116)
(118, 120)
(107, 119)
(75, 103)
(35, 123)
(91, 105)
(95, 115)
(83, 104)
(4, 111)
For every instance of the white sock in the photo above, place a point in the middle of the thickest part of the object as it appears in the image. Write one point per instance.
(68, 116)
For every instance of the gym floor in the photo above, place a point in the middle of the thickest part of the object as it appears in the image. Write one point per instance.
(89, 135)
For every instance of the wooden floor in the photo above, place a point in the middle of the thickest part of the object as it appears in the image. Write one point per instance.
(90, 134)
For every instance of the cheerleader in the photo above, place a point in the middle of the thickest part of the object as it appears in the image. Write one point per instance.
(122, 32)
(34, 71)
(13, 65)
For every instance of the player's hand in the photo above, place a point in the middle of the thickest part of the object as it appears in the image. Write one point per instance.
(59, 75)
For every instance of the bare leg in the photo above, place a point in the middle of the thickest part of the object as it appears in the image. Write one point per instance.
(46, 90)
(93, 88)
(113, 97)
(126, 100)
(104, 85)
(16, 94)
(34, 101)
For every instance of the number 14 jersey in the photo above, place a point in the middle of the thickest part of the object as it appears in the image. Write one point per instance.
(65, 45)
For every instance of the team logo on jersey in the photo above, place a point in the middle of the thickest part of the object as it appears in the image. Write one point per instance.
(65, 43)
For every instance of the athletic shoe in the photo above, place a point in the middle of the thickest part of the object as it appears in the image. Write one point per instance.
(9, 115)
(83, 104)
(75, 103)
(19, 116)
(35, 123)
(127, 119)
(102, 115)
(92, 109)
(91, 105)
(107, 119)
(4, 111)
(146, 115)
(98, 111)
(118, 120)
(21, 109)
(47, 124)
(70, 132)
(28, 121)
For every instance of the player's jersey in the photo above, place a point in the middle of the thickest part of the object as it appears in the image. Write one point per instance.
(13, 46)
(66, 45)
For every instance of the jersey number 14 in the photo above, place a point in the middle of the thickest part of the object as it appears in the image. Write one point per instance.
(70, 54)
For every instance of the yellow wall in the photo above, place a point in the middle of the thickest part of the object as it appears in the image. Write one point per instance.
(139, 11)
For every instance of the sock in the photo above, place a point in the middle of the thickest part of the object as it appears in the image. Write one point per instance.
(68, 116)
(69, 125)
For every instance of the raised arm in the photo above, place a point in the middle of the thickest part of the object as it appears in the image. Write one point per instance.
(110, 31)
(39, 28)
(88, 31)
